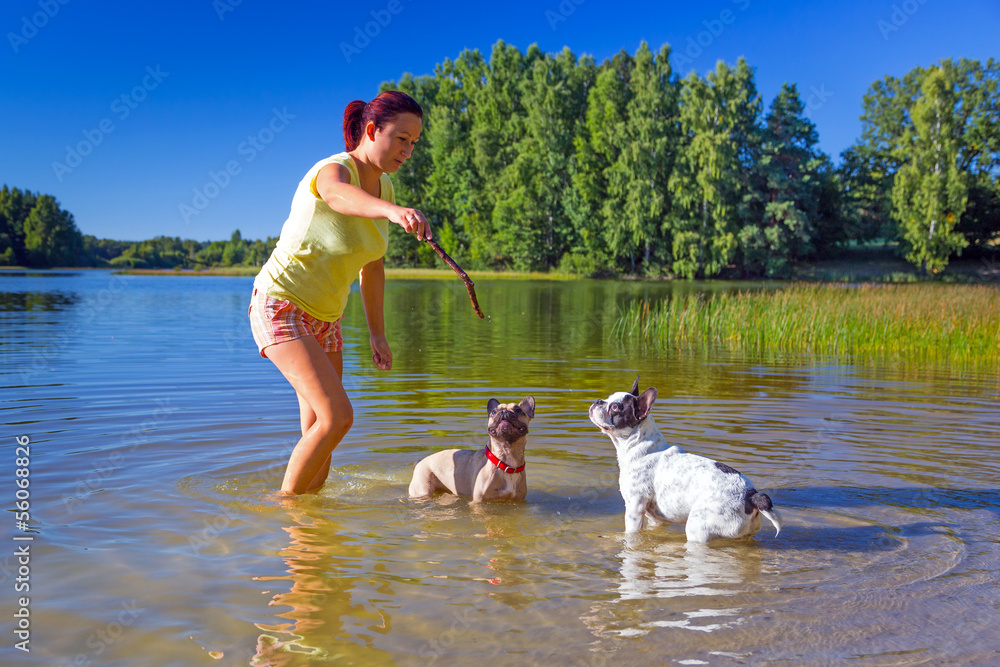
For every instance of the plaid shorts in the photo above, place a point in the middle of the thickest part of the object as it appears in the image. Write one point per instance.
(277, 320)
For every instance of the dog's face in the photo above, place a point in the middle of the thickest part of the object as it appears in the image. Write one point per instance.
(509, 421)
(621, 413)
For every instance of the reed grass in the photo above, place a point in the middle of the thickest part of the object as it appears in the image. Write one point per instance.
(953, 323)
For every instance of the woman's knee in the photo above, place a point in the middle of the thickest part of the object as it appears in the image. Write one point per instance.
(336, 419)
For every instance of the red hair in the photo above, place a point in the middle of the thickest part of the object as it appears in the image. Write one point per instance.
(382, 110)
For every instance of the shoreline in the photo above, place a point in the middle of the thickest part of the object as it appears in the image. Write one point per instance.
(390, 272)
(841, 270)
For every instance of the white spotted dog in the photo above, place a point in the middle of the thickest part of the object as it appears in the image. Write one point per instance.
(664, 483)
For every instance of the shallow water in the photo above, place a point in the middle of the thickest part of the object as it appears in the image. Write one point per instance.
(158, 436)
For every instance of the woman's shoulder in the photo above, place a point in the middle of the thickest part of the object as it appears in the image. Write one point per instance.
(340, 158)
(343, 159)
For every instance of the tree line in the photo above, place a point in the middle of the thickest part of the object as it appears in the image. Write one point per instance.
(36, 232)
(536, 161)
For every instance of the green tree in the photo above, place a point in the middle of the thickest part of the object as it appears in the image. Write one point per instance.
(980, 224)
(867, 195)
(869, 168)
(498, 125)
(930, 190)
(529, 215)
(234, 251)
(99, 252)
(14, 209)
(597, 145)
(259, 251)
(7, 240)
(978, 88)
(50, 235)
(784, 198)
(639, 178)
(586, 252)
(887, 142)
(719, 125)
(210, 254)
(831, 229)
(453, 187)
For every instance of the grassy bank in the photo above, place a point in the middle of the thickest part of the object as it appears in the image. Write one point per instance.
(475, 275)
(954, 323)
(398, 273)
(217, 271)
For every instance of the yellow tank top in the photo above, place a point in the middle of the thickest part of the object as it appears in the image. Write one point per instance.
(320, 251)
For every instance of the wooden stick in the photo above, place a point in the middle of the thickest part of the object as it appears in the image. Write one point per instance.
(469, 285)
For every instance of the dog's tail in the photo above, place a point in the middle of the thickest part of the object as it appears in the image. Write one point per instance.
(762, 502)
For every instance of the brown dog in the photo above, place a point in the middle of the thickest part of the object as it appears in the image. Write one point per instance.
(494, 473)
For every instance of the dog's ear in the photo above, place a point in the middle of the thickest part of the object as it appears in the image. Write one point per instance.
(645, 403)
(635, 387)
(528, 405)
(491, 406)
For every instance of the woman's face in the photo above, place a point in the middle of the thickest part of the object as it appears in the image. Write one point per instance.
(393, 144)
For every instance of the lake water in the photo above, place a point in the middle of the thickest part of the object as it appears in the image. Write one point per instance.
(157, 436)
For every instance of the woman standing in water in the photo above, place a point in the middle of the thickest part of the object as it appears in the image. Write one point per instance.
(338, 228)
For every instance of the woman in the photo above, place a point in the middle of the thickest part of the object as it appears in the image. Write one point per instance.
(338, 227)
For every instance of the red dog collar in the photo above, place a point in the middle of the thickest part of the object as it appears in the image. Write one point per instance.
(500, 464)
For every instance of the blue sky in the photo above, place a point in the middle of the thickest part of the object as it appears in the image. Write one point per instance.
(236, 99)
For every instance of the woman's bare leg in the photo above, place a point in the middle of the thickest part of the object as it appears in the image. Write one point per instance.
(307, 416)
(316, 381)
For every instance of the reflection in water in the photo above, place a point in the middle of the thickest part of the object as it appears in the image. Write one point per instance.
(669, 572)
(45, 274)
(327, 574)
(681, 570)
(33, 301)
